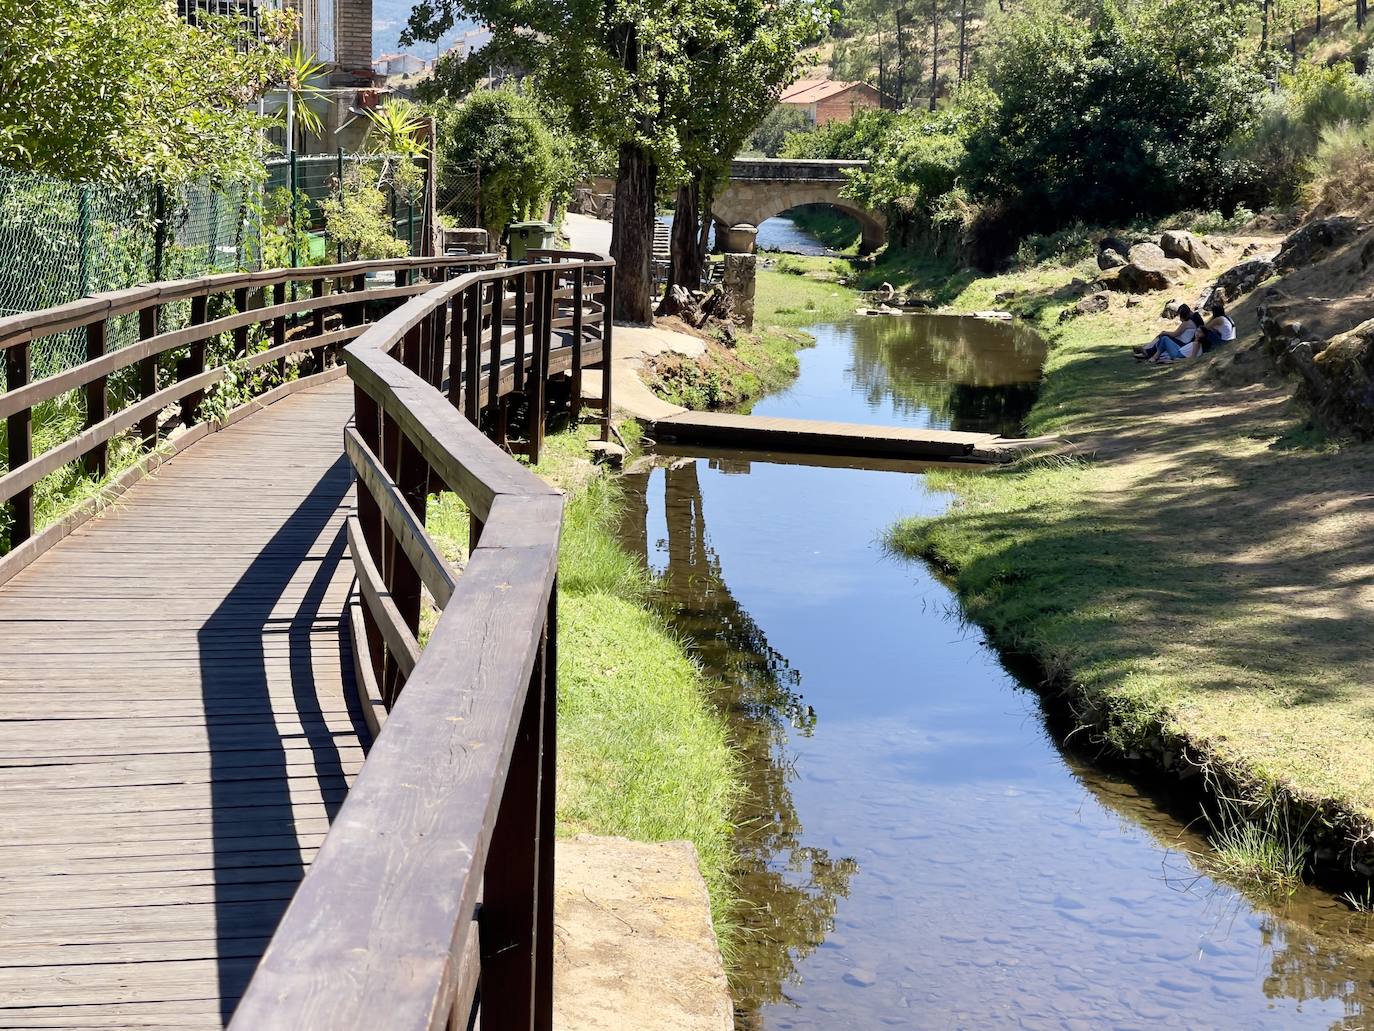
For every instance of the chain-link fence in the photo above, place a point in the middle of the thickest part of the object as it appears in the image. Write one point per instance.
(60, 241)
(458, 195)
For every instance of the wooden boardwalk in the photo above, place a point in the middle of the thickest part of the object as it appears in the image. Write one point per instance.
(177, 727)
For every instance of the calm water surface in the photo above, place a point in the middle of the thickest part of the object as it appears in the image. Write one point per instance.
(779, 233)
(919, 852)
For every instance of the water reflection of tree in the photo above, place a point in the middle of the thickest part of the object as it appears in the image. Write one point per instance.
(969, 374)
(789, 891)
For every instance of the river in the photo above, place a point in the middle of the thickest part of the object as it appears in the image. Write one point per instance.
(918, 849)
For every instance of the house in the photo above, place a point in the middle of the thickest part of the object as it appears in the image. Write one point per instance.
(388, 65)
(829, 100)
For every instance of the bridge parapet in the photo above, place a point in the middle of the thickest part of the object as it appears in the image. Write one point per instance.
(791, 170)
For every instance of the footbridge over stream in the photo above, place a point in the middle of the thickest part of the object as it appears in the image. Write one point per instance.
(761, 188)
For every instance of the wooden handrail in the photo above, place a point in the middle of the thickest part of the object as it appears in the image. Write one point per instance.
(20, 333)
(431, 897)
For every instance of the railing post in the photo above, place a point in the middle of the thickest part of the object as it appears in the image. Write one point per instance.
(472, 339)
(19, 435)
(511, 917)
(147, 373)
(356, 314)
(241, 334)
(194, 365)
(409, 469)
(548, 780)
(607, 328)
(367, 421)
(279, 327)
(456, 346)
(96, 461)
(498, 300)
(521, 321)
(575, 397)
(317, 325)
(539, 363)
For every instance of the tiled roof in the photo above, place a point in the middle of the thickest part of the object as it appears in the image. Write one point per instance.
(809, 91)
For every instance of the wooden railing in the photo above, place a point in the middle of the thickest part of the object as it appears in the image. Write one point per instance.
(430, 904)
(332, 313)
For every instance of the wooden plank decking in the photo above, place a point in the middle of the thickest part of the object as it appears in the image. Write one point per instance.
(177, 727)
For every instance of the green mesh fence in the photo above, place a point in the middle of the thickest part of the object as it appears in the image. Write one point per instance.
(458, 195)
(317, 178)
(60, 241)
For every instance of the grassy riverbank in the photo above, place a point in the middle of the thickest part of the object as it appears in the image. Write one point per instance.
(642, 752)
(794, 293)
(1197, 584)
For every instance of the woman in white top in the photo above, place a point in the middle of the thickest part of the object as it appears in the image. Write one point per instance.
(1219, 328)
(1173, 342)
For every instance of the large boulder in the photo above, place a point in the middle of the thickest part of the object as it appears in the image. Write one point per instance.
(1148, 269)
(1315, 240)
(1181, 244)
(1093, 304)
(1107, 258)
(1241, 279)
(1335, 377)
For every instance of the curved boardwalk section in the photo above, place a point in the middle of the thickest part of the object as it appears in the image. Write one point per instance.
(179, 727)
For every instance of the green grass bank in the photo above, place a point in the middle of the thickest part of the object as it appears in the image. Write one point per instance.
(791, 294)
(642, 751)
(1196, 585)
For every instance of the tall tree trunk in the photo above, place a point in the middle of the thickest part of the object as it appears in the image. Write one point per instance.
(963, 38)
(901, 57)
(632, 235)
(1264, 23)
(684, 267)
(1319, 17)
(934, 52)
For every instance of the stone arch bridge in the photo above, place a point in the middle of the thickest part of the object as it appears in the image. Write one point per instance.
(761, 188)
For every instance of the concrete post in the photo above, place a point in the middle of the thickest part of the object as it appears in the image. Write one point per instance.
(737, 280)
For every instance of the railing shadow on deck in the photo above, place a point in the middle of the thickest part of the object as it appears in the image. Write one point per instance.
(258, 858)
(430, 903)
(431, 899)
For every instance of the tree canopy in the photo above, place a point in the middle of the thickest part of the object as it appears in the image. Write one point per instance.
(109, 90)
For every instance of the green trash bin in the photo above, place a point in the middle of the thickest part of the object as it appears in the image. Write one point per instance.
(523, 237)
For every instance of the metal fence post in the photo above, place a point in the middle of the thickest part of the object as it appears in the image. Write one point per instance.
(83, 245)
(339, 178)
(159, 232)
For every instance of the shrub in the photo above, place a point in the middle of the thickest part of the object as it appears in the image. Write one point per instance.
(504, 132)
(358, 222)
(1343, 168)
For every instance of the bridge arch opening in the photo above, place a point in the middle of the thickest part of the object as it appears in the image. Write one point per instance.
(837, 225)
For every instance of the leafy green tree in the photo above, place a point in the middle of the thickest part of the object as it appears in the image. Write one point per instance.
(502, 130)
(1108, 117)
(645, 80)
(110, 90)
(777, 125)
(861, 138)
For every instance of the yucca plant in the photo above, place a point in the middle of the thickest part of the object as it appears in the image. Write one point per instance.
(395, 128)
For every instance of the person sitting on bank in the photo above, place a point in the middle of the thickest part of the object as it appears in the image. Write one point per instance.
(1219, 329)
(1181, 336)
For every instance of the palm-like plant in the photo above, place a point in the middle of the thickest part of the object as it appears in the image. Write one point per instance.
(300, 68)
(395, 128)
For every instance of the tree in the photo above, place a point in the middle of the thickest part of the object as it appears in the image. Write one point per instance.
(501, 130)
(635, 75)
(112, 90)
(740, 57)
(777, 125)
(615, 67)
